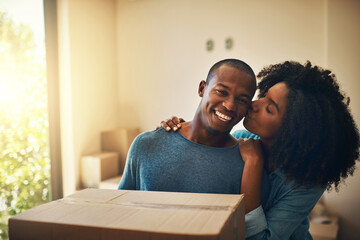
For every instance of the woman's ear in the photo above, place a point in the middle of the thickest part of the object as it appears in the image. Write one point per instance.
(202, 86)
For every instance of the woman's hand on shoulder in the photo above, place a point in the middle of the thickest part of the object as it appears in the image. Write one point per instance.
(251, 151)
(174, 123)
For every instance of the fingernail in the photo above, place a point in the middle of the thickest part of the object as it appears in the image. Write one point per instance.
(179, 125)
(168, 128)
(175, 128)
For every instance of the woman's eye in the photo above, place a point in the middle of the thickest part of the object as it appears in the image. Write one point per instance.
(268, 110)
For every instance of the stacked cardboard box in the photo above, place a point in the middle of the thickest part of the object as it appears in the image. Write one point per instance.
(97, 214)
(324, 228)
(101, 170)
(98, 167)
(119, 141)
(111, 183)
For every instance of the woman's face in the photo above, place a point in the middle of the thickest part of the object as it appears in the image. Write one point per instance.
(265, 116)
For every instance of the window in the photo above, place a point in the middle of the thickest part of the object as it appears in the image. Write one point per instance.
(24, 124)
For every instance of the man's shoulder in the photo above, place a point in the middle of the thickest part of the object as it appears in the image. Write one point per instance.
(149, 134)
(242, 133)
(153, 135)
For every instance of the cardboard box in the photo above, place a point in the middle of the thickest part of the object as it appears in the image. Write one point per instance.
(98, 214)
(119, 141)
(111, 183)
(98, 167)
(324, 228)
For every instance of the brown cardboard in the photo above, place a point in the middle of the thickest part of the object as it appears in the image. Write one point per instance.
(324, 230)
(98, 167)
(119, 141)
(111, 183)
(100, 214)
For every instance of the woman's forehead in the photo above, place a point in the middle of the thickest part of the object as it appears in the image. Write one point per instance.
(279, 93)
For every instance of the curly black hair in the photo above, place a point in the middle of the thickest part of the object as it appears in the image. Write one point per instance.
(318, 143)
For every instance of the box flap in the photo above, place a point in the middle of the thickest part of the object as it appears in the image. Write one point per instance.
(139, 211)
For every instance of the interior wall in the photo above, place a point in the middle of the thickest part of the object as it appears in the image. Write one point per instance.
(136, 62)
(343, 59)
(162, 55)
(88, 80)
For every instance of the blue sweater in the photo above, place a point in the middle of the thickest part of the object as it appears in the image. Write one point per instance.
(167, 161)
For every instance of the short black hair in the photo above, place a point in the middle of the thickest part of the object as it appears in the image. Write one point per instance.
(235, 63)
(318, 143)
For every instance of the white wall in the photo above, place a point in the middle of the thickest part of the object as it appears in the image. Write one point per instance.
(162, 58)
(162, 55)
(88, 81)
(344, 58)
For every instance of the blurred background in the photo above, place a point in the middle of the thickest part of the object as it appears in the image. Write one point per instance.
(71, 69)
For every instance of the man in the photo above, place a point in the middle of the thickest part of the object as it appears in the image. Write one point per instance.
(202, 156)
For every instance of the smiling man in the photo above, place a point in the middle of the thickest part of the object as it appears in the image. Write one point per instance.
(202, 156)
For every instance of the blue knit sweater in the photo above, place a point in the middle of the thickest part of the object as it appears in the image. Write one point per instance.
(167, 161)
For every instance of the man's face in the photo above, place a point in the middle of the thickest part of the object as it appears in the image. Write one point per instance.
(226, 98)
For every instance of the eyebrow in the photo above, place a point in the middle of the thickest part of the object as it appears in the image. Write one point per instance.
(226, 87)
(276, 105)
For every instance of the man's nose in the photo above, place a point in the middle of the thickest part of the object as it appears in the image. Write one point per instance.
(229, 104)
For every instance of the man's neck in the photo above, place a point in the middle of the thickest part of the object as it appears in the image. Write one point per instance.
(194, 133)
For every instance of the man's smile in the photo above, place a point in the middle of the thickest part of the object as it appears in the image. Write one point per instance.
(223, 117)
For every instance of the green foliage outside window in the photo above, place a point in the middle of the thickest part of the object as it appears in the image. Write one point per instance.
(24, 153)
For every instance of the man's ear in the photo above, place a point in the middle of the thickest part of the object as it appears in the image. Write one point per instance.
(202, 86)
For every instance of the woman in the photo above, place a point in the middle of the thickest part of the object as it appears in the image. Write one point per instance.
(303, 134)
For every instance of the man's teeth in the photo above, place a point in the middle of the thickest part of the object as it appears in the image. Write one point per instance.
(222, 117)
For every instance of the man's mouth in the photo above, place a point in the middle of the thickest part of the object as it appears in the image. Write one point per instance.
(223, 117)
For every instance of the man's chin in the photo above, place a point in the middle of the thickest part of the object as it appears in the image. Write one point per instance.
(219, 127)
(218, 131)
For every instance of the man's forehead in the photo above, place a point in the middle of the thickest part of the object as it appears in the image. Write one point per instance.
(226, 70)
(240, 90)
(219, 84)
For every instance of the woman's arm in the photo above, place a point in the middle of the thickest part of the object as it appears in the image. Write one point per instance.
(251, 153)
(286, 213)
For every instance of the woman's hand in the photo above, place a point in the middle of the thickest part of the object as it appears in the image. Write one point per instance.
(252, 154)
(251, 150)
(174, 123)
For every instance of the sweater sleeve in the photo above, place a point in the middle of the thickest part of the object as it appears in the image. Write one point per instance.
(286, 218)
(242, 133)
(129, 179)
(255, 221)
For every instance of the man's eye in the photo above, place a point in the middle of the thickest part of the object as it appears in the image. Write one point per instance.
(221, 92)
(241, 100)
